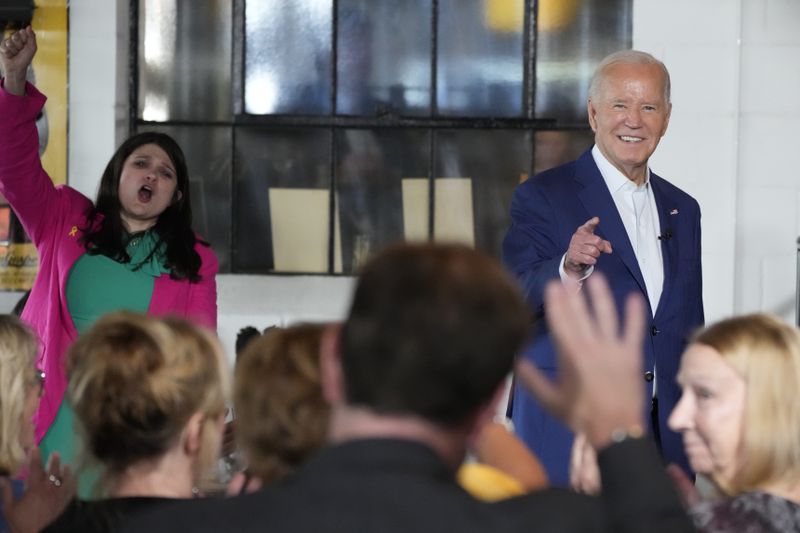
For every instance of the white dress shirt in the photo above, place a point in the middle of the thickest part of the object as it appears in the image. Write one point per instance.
(636, 206)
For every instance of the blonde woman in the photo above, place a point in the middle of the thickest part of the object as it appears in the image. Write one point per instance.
(740, 419)
(20, 389)
(149, 395)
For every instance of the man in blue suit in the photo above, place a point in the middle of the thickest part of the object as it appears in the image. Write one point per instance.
(607, 212)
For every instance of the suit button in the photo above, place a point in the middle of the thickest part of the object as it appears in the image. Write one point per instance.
(648, 376)
(655, 331)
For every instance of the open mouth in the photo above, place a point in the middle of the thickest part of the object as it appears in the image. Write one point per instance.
(630, 139)
(145, 194)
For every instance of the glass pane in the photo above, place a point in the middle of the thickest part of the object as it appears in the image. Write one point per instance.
(553, 148)
(480, 61)
(184, 60)
(383, 57)
(382, 188)
(477, 172)
(288, 57)
(574, 36)
(208, 156)
(282, 196)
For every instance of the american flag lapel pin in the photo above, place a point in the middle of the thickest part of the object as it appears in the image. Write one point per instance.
(673, 212)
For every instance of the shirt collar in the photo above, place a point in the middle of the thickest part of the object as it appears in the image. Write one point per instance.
(615, 180)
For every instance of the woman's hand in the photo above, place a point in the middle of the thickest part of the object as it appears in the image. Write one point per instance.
(47, 493)
(16, 54)
(584, 473)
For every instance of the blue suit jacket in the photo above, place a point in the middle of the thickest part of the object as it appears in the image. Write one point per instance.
(545, 212)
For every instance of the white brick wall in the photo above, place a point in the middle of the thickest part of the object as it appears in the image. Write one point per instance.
(733, 139)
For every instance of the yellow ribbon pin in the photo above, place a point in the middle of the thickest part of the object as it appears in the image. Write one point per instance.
(73, 231)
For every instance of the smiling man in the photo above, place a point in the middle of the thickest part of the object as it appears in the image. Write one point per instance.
(607, 212)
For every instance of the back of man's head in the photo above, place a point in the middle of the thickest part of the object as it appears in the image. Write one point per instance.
(432, 331)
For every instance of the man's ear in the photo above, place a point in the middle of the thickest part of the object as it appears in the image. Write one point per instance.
(330, 361)
(666, 121)
(591, 112)
(193, 434)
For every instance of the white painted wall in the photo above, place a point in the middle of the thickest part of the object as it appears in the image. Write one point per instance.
(732, 139)
(731, 143)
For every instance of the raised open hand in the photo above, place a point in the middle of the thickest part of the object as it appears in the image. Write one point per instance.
(599, 388)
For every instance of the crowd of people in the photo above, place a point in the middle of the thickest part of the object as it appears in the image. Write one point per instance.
(118, 410)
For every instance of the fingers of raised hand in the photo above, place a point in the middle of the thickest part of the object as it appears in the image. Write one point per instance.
(540, 387)
(568, 319)
(603, 307)
(634, 325)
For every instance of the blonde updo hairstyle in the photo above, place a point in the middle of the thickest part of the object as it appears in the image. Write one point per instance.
(765, 352)
(134, 383)
(18, 375)
(282, 417)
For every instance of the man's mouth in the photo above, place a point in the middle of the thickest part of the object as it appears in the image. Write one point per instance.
(630, 139)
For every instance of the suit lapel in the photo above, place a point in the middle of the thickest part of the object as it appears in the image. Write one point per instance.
(597, 200)
(667, 213)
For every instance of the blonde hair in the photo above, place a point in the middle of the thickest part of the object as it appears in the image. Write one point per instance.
(765, 352)
(136, 380)
(17, 377)
(282, 417)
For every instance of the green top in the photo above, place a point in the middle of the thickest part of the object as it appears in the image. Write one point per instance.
(98, 285)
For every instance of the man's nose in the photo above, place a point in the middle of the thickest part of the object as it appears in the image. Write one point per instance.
(633, 118)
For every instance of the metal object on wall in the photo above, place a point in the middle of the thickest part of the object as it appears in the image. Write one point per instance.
(16, 13)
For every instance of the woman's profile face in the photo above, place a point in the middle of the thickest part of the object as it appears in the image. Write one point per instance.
(710, 413)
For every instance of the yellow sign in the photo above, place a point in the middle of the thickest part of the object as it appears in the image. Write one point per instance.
(18, 266)
(19, 261)
(50, 72)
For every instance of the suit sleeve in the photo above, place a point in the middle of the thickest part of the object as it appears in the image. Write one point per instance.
(530, 248)
(638, 495)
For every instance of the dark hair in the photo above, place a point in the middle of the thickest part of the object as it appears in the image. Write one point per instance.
(174, 225)
(432, 331)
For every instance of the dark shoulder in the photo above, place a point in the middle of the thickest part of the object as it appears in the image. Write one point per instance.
(553, 509)
(242, 514)
(103, 516)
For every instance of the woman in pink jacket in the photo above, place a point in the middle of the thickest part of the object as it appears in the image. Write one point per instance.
(133, 249)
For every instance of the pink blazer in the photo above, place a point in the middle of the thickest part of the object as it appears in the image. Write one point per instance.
(52, 217)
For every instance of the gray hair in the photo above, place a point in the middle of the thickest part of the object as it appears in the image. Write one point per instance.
(630, 57)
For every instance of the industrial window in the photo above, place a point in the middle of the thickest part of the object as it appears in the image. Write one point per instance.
(318, 131)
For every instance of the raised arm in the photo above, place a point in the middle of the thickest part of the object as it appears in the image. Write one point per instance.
(23, 181)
